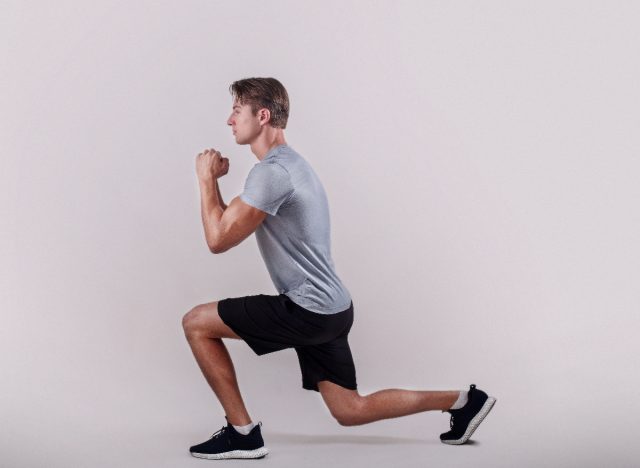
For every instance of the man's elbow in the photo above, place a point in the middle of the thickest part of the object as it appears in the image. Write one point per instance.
(214, 245)
(214, 249)
(217, 248)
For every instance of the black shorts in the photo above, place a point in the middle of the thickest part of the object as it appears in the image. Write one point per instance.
(271, 323)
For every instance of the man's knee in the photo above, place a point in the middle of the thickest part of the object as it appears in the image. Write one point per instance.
(193, 322)
(345, 419)
(348, 415)
(346, 406)
(188, 321)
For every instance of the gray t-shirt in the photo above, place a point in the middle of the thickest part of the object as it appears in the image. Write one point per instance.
(294, 238)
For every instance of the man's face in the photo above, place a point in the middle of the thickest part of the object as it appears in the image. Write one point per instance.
(244, 124)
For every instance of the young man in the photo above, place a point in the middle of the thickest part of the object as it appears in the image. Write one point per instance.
(285, 204)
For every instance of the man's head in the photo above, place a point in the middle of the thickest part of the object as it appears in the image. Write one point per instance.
(257, 102)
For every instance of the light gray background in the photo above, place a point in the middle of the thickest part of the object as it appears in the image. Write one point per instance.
(481, 163)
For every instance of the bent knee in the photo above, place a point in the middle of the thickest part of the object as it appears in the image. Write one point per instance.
(188, 318)
(193, 321)
(350, 415)
(347, 419)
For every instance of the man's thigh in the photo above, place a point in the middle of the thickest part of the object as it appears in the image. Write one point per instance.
(204, 320)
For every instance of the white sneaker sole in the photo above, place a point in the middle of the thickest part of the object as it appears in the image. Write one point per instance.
(475, 422)
(257, 453)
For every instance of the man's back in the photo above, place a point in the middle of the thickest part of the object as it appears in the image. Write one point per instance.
(295, 240)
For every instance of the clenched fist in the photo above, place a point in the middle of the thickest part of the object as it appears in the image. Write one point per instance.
(211, 165)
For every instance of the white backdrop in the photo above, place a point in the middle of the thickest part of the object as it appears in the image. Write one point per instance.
(481, 164)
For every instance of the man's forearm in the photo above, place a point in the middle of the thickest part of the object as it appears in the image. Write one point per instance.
(212, 208)
(224, 207)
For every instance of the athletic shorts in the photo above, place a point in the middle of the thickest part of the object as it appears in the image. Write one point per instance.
(272, 323)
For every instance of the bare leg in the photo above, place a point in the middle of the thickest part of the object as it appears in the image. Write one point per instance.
(393, 403)
(202, 327)
(352, 409)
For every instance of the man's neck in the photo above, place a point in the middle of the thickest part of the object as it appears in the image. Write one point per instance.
(263, 145)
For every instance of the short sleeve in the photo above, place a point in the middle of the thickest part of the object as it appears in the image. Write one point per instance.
(267, 186)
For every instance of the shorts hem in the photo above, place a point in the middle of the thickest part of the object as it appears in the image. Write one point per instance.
(314, 386)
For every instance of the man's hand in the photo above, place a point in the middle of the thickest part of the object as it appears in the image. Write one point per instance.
(211, 165)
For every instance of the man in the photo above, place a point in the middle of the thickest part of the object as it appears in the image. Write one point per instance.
(284, 203)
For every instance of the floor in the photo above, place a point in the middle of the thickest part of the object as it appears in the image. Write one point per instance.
(493, 445)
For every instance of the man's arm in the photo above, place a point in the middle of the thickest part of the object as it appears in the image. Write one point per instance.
(212, 209)
(226, 227)
(224, 207)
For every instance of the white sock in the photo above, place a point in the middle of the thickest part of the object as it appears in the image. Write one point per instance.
(462, 400)
(244, 430)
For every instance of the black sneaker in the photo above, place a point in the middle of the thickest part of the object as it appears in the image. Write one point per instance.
(467, 419)
(229, 443)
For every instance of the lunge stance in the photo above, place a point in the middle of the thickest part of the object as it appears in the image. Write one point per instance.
(285, 204)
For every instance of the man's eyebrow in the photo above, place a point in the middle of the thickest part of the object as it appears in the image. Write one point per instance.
(236, 106)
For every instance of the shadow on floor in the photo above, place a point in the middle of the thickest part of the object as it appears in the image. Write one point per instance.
(287, 438)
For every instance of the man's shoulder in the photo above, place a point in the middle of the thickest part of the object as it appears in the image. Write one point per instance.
(271, 166)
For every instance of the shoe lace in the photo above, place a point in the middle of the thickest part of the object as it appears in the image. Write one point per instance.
(453, 416)
(218, 433)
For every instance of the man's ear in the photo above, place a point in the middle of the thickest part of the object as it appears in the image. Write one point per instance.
(264, 115)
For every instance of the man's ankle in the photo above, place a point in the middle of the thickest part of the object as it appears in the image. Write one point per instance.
(461, 401)
(244, 429)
